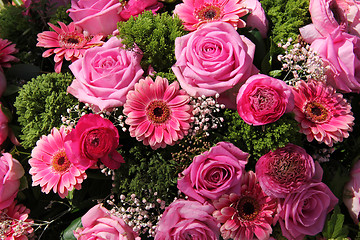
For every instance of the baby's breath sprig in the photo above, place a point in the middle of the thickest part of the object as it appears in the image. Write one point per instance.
(204, 111)
(75, 113)
(301, 62)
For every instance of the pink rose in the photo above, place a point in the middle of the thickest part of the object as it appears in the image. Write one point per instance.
(96, 16)
(105, 74)
(10, 173)
(304, 213)
(214, 173)
(136, 7)
(99, 223)
(263, 99)
(94, 138)
(4, 128)
(285, 170)
(213, 59)
(351, 196)
(257, 17)
(341, 52)
(183, 219)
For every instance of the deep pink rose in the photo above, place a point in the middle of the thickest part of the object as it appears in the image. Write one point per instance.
(304, 213)
(4, 128)
(94, 138)
(341, 52)
(214, 173)
(136, 7)
(285, 170)
(257, 17)
(351, 196)
(184, 219)
(98, 224)
(105, 74)
(10, 173)
(213, 59)
(96, 16)
(263, 99)
(328, 15)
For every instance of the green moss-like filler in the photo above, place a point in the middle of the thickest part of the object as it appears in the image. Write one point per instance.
(40, 104)
(61, 16)
(286, 17)
(155, 35)
(258, 140)
(170, 76)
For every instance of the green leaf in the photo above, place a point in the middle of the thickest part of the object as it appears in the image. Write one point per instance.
(11, 89)
(334, 228)
(68, 234)
(18, 2)
(275, 73)
(6, 111)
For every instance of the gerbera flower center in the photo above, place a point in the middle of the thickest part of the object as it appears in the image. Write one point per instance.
(208, 12)
(72, 40)
(60, 162)
(316, 112)
(248, 208)
(158, 111)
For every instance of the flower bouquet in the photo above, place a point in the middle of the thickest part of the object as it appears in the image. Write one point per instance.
(179, 119)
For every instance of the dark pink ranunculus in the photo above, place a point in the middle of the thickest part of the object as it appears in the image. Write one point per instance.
(94, 138)
(257, 17)
(214, 59)
(263, 99)
(304, 213)
(183, 219)
(214, 173)
(100, 223)
(286, 170)
(351, 196)
(105, 74)
(96, 16)
(340, 51)
(11, 171)
(136, 7)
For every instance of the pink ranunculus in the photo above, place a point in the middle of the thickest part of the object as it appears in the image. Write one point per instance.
(213, 59)
(100, 223)
(341, 52)
(11, 171)
(304, 213)
(263, 99)
(96, 16)
(105, 74)
(257, 17)
(2, 83)
(94, 138)
(351, 196)
(214, 173)
(285, 170)
(183, 218)
(136, 7)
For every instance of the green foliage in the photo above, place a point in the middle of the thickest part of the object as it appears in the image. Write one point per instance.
(170, 76)
(334, 228)
(286, 17)
(68, 234)
(258, 140)
(61, 15)
(155, 35)
(40, 104)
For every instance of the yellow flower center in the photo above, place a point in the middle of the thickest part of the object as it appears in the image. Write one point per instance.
(208, 12)
(60, 162)
(158, 111)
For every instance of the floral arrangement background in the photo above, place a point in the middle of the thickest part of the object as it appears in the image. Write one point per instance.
(207, 119)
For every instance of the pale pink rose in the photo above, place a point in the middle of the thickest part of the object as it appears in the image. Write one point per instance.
(304, 213)
(96, 16)
(263, 99)
(256, 18)
(99, 223)
(2, 83)
(105, 74)
(10, 173)
(351, 196)
(213, 59)
(214, 173)
(340, 51)
(183, 218)
(136, 7)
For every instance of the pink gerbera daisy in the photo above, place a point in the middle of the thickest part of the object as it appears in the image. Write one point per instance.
(15, 224)
(159, 114)
(6, 49)
(322, 113)
(67, 42)
(247, 213)
(50, 166)
(197, 12)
